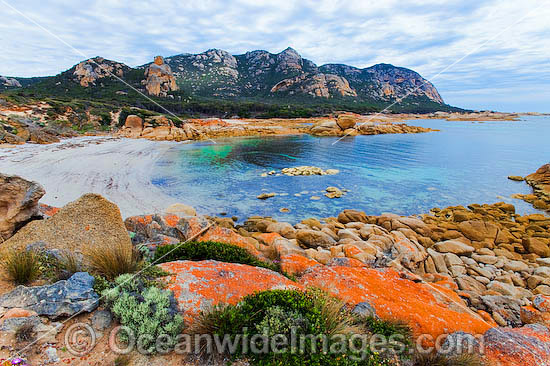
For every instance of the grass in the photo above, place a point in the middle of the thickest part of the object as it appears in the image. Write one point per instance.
(122, 360)
(25, 333)
(22, 266)
(443, 360)
(111, 261)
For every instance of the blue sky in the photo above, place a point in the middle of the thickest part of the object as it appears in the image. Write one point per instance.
(509, 40)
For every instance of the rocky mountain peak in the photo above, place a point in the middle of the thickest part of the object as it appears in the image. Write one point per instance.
(159, 79)
(9, 82)
(289, 61)
(87, 72)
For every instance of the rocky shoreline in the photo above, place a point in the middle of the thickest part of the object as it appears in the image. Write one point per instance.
(43, 123)
(481, 270)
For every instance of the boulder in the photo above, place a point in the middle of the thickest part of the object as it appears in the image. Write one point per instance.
(427, 308)
(61, 299)
(134, 122)
(89, 221)
(199, 285)
(314, 239)
(478, 230)
(539, 246)
(159, 79)
(283, 228)
(165, 228)
(454, 246)
(43, 333)
(348, 216)
(346, 121)
(526, 346)
(296, 264)
(181, 210)
(18, 203)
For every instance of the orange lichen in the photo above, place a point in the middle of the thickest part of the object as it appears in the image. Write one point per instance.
(526, 346)
(268, 238)
(351, 251)
(171, 220)
(48, 210)
(428, 309)
(297, 264)
(221, 234)
(198, 285)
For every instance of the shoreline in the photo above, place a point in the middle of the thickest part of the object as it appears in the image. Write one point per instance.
(59, 167)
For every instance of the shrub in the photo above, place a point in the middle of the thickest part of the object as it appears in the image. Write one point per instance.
(205, 250)
(22, 266)
(113, 261)
(392, 330)
(303, 313)
(146, 310)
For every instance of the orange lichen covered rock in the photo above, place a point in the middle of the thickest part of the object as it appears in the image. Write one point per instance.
(224, 235)
(48, 211)
(526, 346)
(427, 308)
(199, 285)
(268, 238)
(18, 313)
(297, 264)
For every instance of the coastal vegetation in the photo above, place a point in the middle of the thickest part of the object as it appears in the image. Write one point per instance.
(21, 267)
(210, 250)
(282, 312)
(150, 312)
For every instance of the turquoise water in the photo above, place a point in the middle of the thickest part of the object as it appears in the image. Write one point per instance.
(466, 162)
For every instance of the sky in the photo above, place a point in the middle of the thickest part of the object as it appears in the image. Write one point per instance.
(482, 54)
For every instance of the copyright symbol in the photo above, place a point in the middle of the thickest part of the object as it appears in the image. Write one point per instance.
(80, 339)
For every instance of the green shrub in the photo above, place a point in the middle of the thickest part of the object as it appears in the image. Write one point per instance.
(286, 312)
(394, 330)
(205, 250)
(146, 310)
(22, 266)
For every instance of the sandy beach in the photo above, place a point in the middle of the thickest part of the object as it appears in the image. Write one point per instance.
(118, 169)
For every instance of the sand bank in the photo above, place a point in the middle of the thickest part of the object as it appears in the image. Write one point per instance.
(118, 169)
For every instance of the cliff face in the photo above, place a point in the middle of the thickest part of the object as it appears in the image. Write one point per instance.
(88, 72)
(260, 73)
(259, 76)
(159, 78)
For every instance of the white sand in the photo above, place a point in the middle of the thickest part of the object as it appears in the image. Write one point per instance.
(118, 169)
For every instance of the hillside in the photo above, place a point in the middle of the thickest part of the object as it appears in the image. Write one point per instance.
(256, 83)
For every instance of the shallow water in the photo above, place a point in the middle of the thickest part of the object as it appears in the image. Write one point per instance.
(466, 162)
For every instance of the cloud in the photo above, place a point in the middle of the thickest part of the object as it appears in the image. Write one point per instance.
(424, 35)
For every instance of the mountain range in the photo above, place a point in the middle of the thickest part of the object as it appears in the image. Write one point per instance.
(254, 77)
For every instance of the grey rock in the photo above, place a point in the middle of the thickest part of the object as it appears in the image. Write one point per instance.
(51, 353)
(459, 343)
(43, 333)
(62, 299)
(506, 306)
(102, 320)
(364, 309)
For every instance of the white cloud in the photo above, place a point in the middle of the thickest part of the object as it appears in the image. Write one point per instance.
(425, 35)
